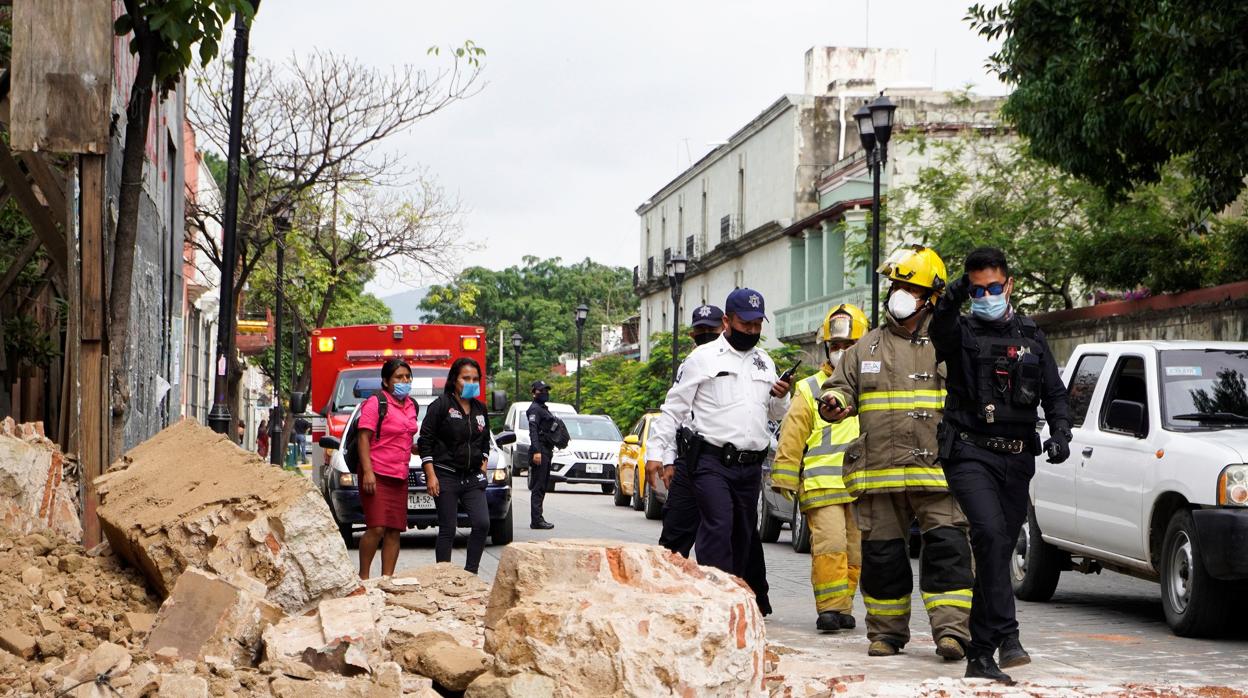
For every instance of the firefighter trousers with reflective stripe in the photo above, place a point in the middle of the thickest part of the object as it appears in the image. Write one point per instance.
(835, 557)
(992, 489)
(887, 582)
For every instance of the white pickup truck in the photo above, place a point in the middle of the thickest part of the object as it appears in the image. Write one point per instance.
(1156, 485)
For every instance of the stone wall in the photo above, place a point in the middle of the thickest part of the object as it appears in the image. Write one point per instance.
(1219, 313)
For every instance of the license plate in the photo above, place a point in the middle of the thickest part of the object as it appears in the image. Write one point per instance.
(420, 501)
(593, 468)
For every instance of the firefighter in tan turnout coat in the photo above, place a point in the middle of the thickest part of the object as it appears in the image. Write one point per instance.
(891, 381)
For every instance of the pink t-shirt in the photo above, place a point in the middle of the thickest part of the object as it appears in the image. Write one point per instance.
(391, 453)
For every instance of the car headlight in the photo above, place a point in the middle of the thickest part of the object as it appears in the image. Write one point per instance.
(499, 475)
(1233, 486)
(346, 480)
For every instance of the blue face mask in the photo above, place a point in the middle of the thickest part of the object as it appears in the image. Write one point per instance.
(470, 390)
(989, 307)
(401, 390)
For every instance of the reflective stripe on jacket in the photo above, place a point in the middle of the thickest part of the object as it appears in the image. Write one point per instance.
(811, 451)
(893, 381)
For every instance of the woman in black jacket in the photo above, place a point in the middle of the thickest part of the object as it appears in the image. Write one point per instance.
(454, 446)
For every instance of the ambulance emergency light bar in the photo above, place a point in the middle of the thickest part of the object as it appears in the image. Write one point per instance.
(325, 345)
(383, 354)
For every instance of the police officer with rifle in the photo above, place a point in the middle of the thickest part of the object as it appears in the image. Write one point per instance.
(1000, 369)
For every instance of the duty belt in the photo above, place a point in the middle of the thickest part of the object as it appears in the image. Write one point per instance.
(730, 455)
(994, 443)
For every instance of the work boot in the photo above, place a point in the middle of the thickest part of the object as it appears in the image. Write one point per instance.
(542, 525)
(985, 668)
(950, 648)
(830, 621)
(882, 648)
(1013, 654)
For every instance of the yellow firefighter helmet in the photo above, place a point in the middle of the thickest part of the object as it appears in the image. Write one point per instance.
(917, 265)
(844, 322)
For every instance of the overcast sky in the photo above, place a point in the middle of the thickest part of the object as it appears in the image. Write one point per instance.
(590, 107)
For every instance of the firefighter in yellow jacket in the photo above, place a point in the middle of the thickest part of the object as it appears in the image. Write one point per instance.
(890, 379)
(808, 465)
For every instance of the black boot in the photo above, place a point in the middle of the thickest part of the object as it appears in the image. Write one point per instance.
(1012, 653)
(831, 621)
(985, 668)
(542, 525)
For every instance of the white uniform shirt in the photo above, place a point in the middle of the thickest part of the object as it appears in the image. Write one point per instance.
(725, 395)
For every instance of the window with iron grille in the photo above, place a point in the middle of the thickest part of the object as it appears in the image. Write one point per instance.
(649, 268)
(689, 247)
(667, 257)
(725, 225)
(635, 277)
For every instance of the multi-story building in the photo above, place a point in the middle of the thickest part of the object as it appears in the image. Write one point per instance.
(783, 206)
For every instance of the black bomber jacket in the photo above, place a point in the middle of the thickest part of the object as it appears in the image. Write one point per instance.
(452, 440)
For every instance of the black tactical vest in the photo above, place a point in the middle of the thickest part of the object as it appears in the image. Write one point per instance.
(1008, 375)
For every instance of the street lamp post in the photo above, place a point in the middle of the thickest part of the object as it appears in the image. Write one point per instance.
(276, 451)
(516, 339)
(676, 278)
(875, 127)
(219, 418)
(582, 312)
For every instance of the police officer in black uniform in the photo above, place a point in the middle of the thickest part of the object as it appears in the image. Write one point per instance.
(1000, 370)
(541, 450)
(680, 513)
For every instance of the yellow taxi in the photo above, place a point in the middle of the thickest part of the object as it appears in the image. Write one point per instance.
(632, 485)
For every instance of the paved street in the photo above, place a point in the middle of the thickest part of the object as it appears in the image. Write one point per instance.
(1098, 628)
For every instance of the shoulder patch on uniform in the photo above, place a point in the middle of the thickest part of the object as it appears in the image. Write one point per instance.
(872, 366)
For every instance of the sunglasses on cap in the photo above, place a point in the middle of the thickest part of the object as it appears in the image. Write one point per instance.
(995, 288)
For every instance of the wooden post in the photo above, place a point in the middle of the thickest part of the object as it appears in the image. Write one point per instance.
(93, 366)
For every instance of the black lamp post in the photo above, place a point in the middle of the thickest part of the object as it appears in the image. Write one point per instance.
(582, 312)
(875, 127)
(676, 278)
(219, 418)
(516, 339)
(276, 450)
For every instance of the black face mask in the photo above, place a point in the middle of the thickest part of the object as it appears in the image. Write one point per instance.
(742, 341)
(705, 338)
(541, 396)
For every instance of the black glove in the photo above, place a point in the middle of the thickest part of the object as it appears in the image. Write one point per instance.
(960, 291)
(1058, 445)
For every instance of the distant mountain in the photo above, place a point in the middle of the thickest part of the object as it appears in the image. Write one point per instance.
(405, 306)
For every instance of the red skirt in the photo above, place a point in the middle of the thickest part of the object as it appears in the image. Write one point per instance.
(388, 507)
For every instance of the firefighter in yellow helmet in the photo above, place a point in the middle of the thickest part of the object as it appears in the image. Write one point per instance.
(808, 465)
(890, 379)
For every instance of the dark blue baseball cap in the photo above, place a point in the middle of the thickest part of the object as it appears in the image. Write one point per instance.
(707, 316)
(747, 304)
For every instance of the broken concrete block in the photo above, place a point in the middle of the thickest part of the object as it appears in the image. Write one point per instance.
(207, 616)
(48, 624)
(51, 645)
(450, 665)
(139, 622)
(182, 686)
(523, 685)
(56, 600)
(32, 576)
(77, 676)
(603, 617)
(17, 642)
(387, 682)
(164, 513)
(34, 494)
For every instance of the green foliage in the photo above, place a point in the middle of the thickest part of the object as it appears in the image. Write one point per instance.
(538, 300)
(1062, 234)
(15, 232)
(174, 28)
(468, 51)
(1112, 91)
(26, 342)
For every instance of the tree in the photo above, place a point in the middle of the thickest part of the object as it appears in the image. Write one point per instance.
(164, 36)
(313, 133)
(1112, 91)
(536, 299)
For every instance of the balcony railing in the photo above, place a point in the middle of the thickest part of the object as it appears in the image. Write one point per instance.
(801, 319)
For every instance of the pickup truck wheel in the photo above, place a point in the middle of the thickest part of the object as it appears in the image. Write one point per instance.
(801, 530)
(502, 530)
(1035, 566)
(1194, 602)
(768, 525)
(621, 497)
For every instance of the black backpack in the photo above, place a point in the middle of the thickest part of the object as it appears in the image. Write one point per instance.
(558, 432)
(350, 453)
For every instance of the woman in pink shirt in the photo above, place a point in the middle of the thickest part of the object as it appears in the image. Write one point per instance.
(385, 450)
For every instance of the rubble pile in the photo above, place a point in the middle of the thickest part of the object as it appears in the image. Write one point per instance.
(189, 497)
(35, 494)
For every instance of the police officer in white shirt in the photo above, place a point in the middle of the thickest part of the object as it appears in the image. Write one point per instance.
(727, 390)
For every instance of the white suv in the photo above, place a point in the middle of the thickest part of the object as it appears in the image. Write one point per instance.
(517, 421)
(1157, 482)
